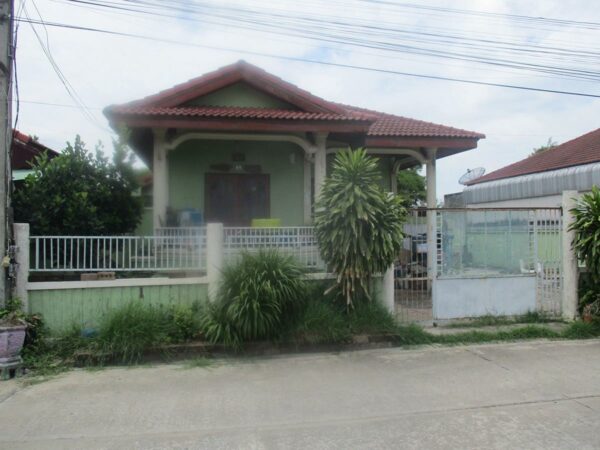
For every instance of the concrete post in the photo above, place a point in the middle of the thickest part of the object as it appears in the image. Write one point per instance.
(21, 233)
(320, 163)
(214, 257)
(431, 215)
(307, 190)
(389, 300)
(160, 180)
(570, 264)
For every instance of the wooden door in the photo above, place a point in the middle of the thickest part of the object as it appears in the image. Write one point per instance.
(236, 199)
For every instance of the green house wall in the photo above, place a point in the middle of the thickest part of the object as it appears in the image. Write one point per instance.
(240, 94)
(283, 162)
(85, 307)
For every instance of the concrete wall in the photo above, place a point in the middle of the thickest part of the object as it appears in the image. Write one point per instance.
(85, 306)
(455, 298)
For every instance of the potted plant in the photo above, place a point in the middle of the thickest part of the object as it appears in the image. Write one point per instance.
(12, 332)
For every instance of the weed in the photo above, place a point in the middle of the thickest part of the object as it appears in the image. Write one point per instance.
(581, 330)
(125, 333)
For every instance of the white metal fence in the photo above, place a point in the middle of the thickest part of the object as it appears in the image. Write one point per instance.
(298, 242)
(168, 251)
(171, 249)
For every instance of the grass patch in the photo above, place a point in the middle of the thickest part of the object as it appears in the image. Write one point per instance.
(582, 330)
(531, 317)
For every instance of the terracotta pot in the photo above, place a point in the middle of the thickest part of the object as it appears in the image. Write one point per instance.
(11, 342)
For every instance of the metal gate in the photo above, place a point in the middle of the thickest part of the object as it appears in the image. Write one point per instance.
(413, 287)
(471, 244)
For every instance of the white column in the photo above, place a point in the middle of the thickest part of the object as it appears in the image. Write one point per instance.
(307, 189)
(389, 300)
(320, 162)
(160, 180)
(21, 233)
(393, 177)
(431, 215)
(214, 257)
(569, 259)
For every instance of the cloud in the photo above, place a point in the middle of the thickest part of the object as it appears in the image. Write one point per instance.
(108, 69)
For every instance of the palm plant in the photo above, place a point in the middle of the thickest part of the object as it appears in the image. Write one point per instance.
(587, 231)
(357, 224)
(587, 246)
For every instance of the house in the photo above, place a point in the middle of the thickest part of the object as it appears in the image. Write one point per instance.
(539, 180)
(240, 144)
(24, 149)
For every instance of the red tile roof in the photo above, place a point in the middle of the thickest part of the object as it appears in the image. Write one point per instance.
(581, 150)
(238, 112)
(392, 125)
(168, 103)
(24, 149)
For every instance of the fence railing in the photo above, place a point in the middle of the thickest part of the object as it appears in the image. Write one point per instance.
(298, 242)
(167, 252)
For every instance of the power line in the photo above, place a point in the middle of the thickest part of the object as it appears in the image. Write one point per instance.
(314, 61)
(61, 76)
(339, 32)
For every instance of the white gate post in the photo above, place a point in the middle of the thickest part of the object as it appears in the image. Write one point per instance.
(570, 264)
(389, 300)
(21, 233)
(214, 257)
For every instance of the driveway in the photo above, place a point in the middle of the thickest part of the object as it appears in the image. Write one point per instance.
(541, 395)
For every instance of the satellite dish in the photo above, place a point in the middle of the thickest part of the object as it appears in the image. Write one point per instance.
(471, 174)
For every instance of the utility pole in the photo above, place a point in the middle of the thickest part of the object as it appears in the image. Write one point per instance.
(6, 133)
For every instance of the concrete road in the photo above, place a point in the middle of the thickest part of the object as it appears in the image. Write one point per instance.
(542, 395)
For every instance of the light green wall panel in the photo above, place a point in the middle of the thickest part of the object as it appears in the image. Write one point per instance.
(63, 308)
(283, 162)
(240, 94)
(146, 226)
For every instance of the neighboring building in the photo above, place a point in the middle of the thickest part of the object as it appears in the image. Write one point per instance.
(539, 180)
(24, 149)
(240, 144)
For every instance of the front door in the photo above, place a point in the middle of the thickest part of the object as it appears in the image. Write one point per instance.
(236, 199)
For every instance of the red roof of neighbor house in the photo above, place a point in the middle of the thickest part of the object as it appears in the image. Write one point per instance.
(581, 150)
(168, 104)
(24, 148)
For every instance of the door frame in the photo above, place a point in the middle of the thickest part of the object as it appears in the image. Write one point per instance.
(208, 175)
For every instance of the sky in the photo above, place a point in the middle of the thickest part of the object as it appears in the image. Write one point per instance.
(102, 69)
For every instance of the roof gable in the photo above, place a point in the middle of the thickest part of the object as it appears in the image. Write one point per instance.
(240, 95)
(582, 150)
(239, 72)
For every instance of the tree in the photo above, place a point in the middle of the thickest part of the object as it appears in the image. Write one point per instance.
(358, 226)
(80, 193)
(411, 187)
(550, 144)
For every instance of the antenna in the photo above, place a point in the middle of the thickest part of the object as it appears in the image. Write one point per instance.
(471, 174)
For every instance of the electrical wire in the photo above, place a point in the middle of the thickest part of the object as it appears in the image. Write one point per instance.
(320, 62)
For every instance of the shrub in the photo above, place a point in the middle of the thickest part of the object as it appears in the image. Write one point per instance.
(126, 332)
(587, 246)
(371, 317)
(255, 297)
(321, 322)
(183, 322)
(357, 224)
